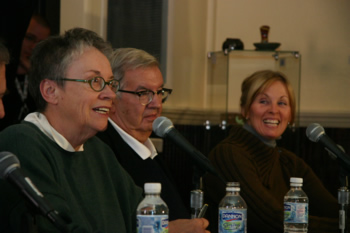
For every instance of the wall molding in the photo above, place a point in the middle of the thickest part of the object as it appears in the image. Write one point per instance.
(200, 117)
(326, 119)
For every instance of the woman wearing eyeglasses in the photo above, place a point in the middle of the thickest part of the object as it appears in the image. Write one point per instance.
(73, 85)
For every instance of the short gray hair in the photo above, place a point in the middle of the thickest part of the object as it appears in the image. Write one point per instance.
(124, 59)
(51, 58)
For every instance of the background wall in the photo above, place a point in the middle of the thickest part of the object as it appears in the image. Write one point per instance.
(318, 29)
(90, 14)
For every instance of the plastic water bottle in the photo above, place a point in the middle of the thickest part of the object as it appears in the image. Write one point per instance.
(152, 212)
(296, 207)
(232, 211)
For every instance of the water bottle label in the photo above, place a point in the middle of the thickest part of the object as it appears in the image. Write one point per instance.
(152, 223)
(295, 212)
(232, 220)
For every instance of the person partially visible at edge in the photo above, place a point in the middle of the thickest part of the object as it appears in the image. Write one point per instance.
(19, 102)
(72, 83)
(250, 156)
(4, 59)
(38, 29)
(138, 103)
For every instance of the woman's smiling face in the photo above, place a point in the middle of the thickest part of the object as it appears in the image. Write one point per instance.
(270, 111)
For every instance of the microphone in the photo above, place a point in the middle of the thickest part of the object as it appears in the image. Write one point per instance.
(315, 132)
(10, 170)
(196, 202)
(163, 127)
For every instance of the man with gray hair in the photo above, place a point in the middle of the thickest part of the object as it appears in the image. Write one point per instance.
(137, 104)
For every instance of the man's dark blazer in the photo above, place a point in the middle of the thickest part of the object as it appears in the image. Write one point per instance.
(149, 170)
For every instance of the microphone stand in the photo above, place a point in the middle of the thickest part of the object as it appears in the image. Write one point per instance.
(42, 206)
(343, 191)
(343, 200)
(197, 195)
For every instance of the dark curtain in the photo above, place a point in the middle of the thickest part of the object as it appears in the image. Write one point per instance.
(137, 24)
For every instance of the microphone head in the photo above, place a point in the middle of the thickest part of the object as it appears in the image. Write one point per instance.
(197, 197)
(8, 162)
(161, 126)
(314, 132)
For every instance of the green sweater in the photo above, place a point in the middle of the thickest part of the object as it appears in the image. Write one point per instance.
(264, 172)
(89, 189)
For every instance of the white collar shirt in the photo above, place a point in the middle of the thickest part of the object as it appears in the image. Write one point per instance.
(43, 124)
(144, 150)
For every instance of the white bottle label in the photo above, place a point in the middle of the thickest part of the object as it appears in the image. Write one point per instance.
(232, 220)
(152, 223)
(296, 212)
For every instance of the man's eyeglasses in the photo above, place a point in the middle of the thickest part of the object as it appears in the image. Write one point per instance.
(145, 97)
(98, 83)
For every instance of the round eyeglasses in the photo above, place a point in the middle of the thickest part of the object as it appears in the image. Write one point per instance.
(98, 83)
(145, 97)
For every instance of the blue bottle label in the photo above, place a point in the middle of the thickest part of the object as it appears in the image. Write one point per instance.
(232, 220)
(152, 223)
(296, 212)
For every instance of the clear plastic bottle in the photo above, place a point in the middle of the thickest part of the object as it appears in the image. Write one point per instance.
(232, 211)
(296, 207)
(152, 212)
